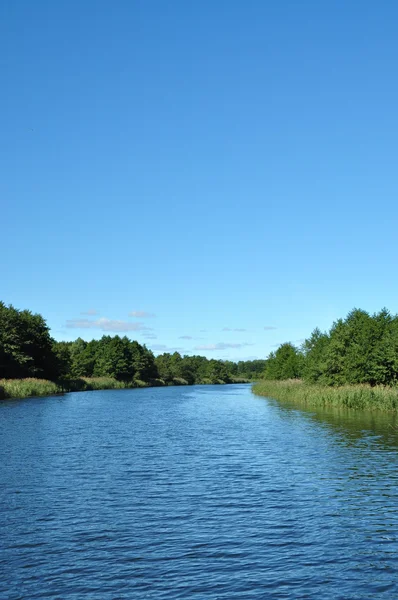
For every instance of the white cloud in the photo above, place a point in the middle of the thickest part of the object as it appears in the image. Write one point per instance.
(150, 336)
(91, 312)
(185, 337)
(164, 348)
(141, 314)
(104, 324)
(235, 329)
(223, 346)
(269, 327)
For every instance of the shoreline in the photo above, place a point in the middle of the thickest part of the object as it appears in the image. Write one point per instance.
(357, 397)
(19, 389)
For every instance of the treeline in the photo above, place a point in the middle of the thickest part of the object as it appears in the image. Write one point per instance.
(127, 360)
(360, 349)
(198, 369)
(27, 350)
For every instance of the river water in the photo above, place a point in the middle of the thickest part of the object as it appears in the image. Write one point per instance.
(204, 492)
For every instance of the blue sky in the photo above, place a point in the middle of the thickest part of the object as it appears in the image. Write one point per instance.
(229, 167)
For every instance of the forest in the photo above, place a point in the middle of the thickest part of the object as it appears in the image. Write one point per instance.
(360, 349)
(28, 351)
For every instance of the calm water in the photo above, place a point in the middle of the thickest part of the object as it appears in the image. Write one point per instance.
(195, 493)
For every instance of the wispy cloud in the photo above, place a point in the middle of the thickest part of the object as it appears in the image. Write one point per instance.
(269, 328)
(150, 336)
(238, 358)
(185, 337)
(294, 342)
(91, 312)
(233, 329)
(104, 324)
(164, 348)
(141, 314)
(222, 346)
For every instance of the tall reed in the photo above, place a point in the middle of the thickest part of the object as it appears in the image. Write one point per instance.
(22, 388)
(361, 397)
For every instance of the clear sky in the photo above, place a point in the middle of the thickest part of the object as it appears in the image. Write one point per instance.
(230, 167)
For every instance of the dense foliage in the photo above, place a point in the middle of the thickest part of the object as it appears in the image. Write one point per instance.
(26, 347)
(116, 357)
(198, 369)
(360, 349)
(27, 350)
(285, 363)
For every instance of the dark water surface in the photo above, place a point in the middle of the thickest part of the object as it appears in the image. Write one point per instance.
(195, 492)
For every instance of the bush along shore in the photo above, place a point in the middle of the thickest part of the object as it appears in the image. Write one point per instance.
(32, 363)
(353, 365)
(360, 349)
(359, 397)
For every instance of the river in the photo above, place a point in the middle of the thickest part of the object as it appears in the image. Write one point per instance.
(203, 492)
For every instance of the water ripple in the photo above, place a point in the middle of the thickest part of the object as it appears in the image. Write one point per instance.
(203, 493)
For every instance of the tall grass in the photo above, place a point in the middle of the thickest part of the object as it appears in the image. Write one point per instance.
(360, 397)
(105, 383)
(22, 388)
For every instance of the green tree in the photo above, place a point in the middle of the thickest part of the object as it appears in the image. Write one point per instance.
(285, 363)
(143, 362)
(83, 357)
(314, 351)
(217, 372)
(64, 359)
(26, 347)
(113, 358)
(164, 367)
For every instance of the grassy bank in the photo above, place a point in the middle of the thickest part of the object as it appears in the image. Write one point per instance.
(360, 397)
(21, 388)
(25, 388)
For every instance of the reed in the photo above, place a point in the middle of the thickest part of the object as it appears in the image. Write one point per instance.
(105, 383)
(23, 388)
(359, 397)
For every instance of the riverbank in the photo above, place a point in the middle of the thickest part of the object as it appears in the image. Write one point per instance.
(25, 388)
(359, 397)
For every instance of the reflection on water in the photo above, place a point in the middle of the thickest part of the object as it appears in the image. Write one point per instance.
(204, 492)
(353, 425)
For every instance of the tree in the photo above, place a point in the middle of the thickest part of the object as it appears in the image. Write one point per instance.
(164, 367)
(285, 363)
(113, 358)
(217, 372)
(83, 357)
(314, 351)
(26, 347)
(63, 356)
